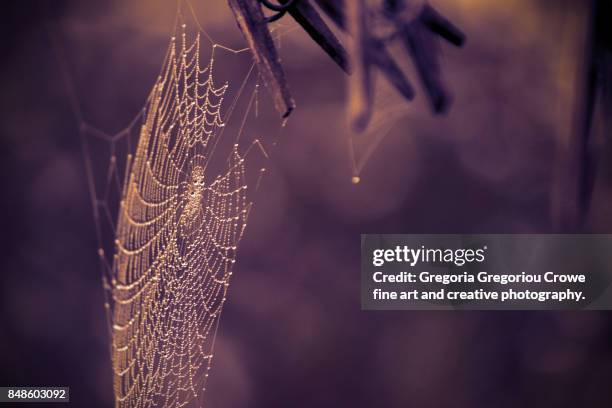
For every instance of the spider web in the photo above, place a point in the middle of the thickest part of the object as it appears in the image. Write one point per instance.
(170, 211)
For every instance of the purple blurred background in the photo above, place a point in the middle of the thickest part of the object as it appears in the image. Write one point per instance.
(292, 333)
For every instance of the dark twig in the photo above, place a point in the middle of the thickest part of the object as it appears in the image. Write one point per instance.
(254, 27)
(577, 177)
(367, 49)
(441, 26)
(310, 20)
(423, 48)
(419, 37)
(360, 83)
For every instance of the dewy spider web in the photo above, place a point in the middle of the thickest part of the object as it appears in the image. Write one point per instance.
(177, 214)
(176, 239)
(170, 210)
